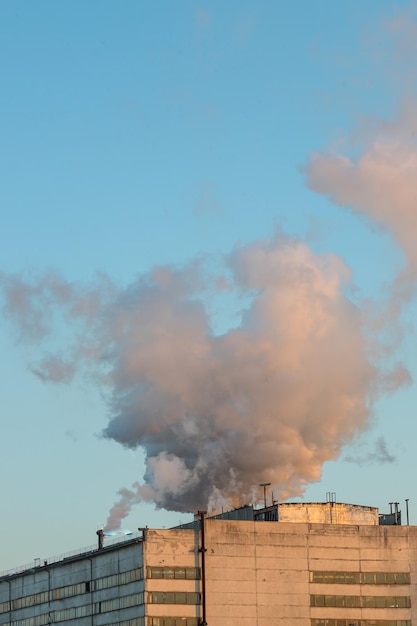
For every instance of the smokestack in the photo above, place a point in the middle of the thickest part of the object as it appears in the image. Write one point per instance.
(100, 536)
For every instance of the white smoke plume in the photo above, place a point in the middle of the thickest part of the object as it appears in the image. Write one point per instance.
(268, 400)
(379, 183)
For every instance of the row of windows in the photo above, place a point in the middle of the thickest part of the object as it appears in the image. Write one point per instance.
(374, 602)
(173, 597)
(360, 622)
(43, 620)
(364, 578)
(86, 610)
(119, 603)
(39, 620)
(123, 602)
(61, 592)
(117, 579)
(74, 613)
(173, 621)
(22, 603)
(190, 573)
(72, 590)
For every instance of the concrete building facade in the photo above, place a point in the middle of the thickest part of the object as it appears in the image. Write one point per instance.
(231, 571)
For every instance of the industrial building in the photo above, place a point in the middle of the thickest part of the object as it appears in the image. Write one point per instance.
(293, 564)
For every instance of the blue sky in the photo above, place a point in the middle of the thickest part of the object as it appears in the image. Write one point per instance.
(139, 134)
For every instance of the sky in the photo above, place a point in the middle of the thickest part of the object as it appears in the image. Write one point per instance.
(207, 261)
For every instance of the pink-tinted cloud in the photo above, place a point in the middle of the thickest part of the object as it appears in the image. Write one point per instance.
(380, 183)
(269, 400)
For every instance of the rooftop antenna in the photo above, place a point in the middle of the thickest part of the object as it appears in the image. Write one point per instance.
(264, 485)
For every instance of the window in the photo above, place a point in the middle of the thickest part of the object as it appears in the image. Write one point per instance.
(4, 607)
(119, 579)
(378, 602)
(401, 579)
(155, 572)
(173, 597)
(350, 578)
(77, 613)
(179, 573)
(364, 578)
(173, 621)
(353, 601)
(356, 622)
(368, 579)
(121, 602)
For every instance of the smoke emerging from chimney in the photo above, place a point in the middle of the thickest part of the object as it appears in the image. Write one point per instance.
(216, 413)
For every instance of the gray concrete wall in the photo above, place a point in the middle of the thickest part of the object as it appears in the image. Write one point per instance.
(87, 573)
(256, 572)
(172, 548)
(328, 513)
(259, 571)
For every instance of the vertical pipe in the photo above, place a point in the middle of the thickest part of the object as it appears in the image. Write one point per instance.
(49, 591)
(203, 551)
(406, 507)
(100, 535)
(91, 591)
(10, 601)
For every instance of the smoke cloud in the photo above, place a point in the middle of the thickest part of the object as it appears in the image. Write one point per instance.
(268, 400)
(379, 184)
(379, 455)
